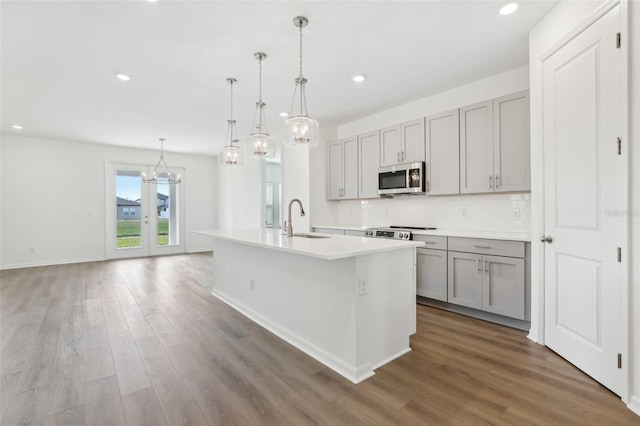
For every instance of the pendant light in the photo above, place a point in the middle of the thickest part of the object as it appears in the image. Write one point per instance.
(159, 175)
(231, 155)
(302, 130)
(260, 145)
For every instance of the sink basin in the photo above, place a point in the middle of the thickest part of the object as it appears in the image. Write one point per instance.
(310, 236)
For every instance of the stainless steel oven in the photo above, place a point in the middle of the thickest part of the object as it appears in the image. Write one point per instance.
(402, 179)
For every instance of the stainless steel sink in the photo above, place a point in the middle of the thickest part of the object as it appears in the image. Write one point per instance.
(310, 236)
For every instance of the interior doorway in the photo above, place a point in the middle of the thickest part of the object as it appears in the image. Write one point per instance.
(585, 203)
(142, 219)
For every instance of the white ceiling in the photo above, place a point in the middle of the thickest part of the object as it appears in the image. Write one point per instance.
(59, 61)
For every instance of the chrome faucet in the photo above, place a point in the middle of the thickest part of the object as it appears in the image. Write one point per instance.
(289, 224)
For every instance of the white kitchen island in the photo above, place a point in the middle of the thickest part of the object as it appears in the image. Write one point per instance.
(349, 302)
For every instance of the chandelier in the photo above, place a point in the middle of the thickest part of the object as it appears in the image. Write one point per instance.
(162, 174)
(302, 130)
(260, 144)
(231, 154)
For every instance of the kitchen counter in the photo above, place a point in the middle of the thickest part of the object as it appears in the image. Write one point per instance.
(348, 302)
(330, 248)
(491, 235)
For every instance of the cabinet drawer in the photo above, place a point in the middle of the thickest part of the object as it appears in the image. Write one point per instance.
(483, 246)
(432, 241)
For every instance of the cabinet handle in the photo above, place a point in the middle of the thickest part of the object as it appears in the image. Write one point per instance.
(427, 186)
(497, 180)
(490, 182)
(478, 262)
(429, 242)
(483, 247)
(403, 155)
(486, 268)
(398, 157)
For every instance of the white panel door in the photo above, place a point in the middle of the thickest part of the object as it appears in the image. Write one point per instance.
(350, 167)
(443, 153)
(369, 162)
(476, 148)
(584, 181)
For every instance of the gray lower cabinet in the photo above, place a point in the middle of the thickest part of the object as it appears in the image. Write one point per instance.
(432, 273)
(493, 284)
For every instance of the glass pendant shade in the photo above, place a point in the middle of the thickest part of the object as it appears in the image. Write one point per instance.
(231, 155)
(301, 129)
(259, 144)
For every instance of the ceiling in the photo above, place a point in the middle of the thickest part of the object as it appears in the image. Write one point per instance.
(59, 61)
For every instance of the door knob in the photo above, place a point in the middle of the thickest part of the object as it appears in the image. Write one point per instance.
(546, 239)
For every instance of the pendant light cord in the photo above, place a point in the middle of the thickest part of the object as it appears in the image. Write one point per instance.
(300, 49)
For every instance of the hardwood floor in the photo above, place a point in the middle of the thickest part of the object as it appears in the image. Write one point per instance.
(142, 341)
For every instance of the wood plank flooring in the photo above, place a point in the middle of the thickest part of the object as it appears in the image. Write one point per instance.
(142, 341)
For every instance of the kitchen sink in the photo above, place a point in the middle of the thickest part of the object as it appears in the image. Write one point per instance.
(310, 236)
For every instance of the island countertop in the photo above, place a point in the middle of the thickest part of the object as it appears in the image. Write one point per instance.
(331, 248)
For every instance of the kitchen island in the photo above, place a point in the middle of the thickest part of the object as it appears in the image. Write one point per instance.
(348, 302)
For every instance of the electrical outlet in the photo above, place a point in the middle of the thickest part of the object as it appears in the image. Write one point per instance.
(515, 213)
(464, 213)
(386, 213)
(31, 250)
(252, 285)
(362, 287)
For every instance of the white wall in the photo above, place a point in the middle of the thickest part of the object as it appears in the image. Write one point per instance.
(483, 212)
(562, 19)
(295, 184)
(49, 190)
(240, 193)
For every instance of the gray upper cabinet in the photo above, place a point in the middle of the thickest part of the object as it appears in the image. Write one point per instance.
(442, 133)
(511, 151)
(413, 141)
(476, 148)
(369, 162)
(494, 145)
(342, 169)
(402, 143)
(390, 146)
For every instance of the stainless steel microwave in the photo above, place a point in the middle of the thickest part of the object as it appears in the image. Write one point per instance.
(402, 179)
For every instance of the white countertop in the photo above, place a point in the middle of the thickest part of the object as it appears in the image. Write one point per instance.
(334, 247)
(491, 235)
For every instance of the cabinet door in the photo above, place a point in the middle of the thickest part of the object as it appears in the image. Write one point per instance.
(369, 149)
(334, 171)
(412, 142)
(390, 146)
(465, 279)
(511, 152)
(432, 274)
(443, 153)
(503, 286)
(476, 148)
(350, 168)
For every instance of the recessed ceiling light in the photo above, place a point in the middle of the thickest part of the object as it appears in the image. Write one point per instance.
(17, 127)
(123, 77)
(358, 78)
(284, 114)
(508, 8)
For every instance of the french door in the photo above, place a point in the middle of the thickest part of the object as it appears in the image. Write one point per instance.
(586, 203)
(142, 219)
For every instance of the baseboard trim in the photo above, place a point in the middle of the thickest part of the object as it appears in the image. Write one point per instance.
(634, 404)
(51, 263)
(355, 374)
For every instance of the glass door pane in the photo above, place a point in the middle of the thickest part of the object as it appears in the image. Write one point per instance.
(167, 228)
(129, 213)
